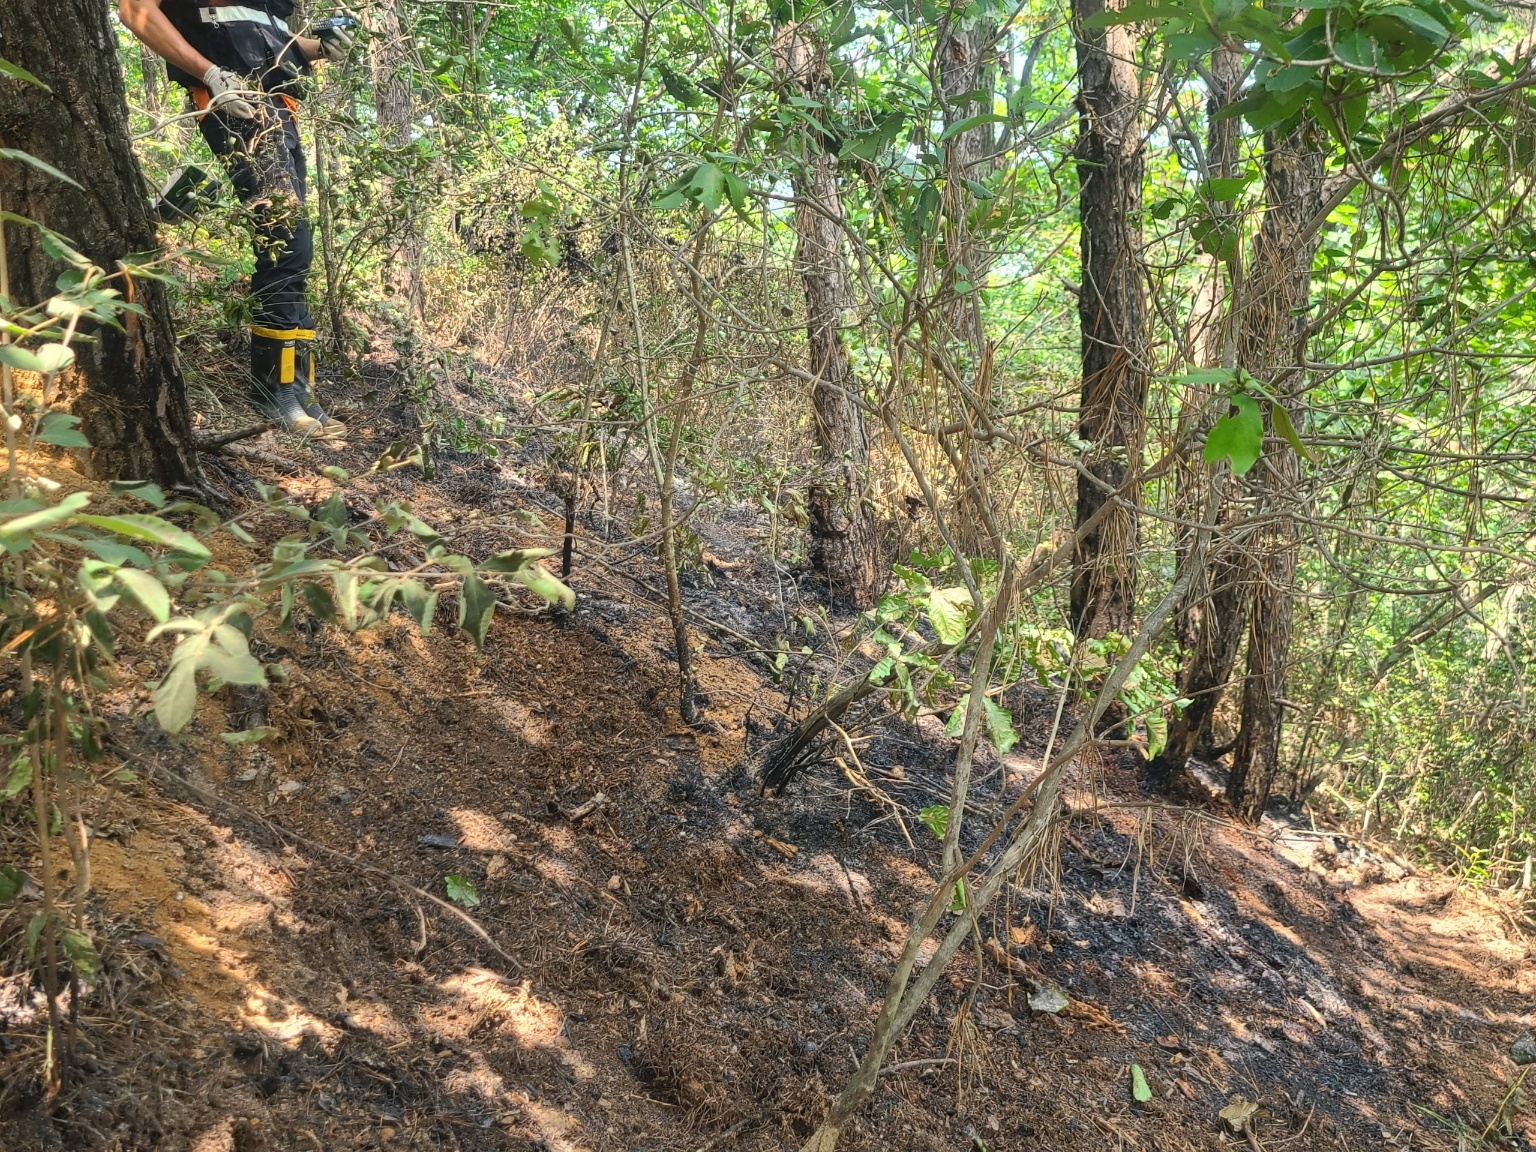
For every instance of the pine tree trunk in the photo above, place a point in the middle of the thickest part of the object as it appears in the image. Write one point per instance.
(1112, 314)
(965, 62)
(1278, 295)
(844, 548)
(390, 60)
(965, 59)
(1209, 625)
(126, 385)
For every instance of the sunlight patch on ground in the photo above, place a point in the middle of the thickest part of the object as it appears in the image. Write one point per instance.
(484, 996)
(482, 833)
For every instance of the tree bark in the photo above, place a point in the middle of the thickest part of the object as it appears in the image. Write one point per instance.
(844, 546)
(965, 60)
(390, 59)
(1112, 314)
(1209, 625)
(1278, 297)
(126, 385)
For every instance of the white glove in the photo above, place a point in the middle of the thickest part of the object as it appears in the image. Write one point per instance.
(226, 91)
(335, 43)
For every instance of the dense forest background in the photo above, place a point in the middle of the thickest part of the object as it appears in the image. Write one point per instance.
(512, 185)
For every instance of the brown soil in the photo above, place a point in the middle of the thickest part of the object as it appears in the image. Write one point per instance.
(692, 967)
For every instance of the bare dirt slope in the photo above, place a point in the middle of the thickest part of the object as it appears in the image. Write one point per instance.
(682, 965)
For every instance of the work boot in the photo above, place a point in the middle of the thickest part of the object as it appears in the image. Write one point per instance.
(305, 352)
(275, 392)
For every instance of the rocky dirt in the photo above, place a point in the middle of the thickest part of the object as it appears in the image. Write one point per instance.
(674, 963)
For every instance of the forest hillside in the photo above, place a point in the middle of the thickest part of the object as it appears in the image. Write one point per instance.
(793, 576)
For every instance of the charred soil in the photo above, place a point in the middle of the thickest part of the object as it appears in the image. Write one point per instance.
(674, 962)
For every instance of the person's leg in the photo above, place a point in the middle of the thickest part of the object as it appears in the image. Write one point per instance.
(258, 156)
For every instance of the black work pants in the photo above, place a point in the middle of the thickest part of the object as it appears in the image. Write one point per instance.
(265, 162)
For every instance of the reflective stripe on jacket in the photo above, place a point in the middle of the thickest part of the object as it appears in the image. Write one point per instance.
(253, 39)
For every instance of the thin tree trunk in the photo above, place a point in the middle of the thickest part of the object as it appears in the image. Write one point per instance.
(1275, 329)
(390, 59)
(965, 63)
(1209, 625)
(1112, 314)
(844, 547)
(126, 385)
(965, 60)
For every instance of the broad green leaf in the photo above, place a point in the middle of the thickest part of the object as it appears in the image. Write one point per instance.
(59, 429)
(54, 357)
(347, 605)
(420, 602)
(150, 493)
(82, 954)
(40, 165)
(1421, 22)
(537, 578)
(18, 778)
(319, 600)
(18, 530)
(148, 592)
(1238, 437)
(234, 667)
(476, 603)
(1282, 421)
(962, 126)
(153, 529)
(514, 561)
(948, 611)
(11, 881)
(936, 818)
(1141, 1091)
(1226, 187)
(461, 891)
(17, 72)
(175, 697)
(999, 726)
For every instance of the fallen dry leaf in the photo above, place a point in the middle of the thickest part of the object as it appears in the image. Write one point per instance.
(788, 851)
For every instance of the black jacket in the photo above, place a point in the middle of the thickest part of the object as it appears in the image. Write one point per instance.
(254, 38)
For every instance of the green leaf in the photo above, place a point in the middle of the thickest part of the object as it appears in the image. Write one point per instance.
(18, 531)
(18, 778)
(153, 529)
(962, 126)
(55, 358)
(249, 736)
(1282, 422)
(1205, 376)
(1226, 187)
(40, 165)
(82, 953)
(1421, 22)
(420, 602)
(175, 697)
(19, 358)
(1238, 437)
(1141, 1091)
(948, 611)
(11, 881)
(461, 891)
(507, 563)
(536, 578)
(999, 726)
(150, 493)
(17, 72)
(476, 603)
(148, 592)
(936, 818)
